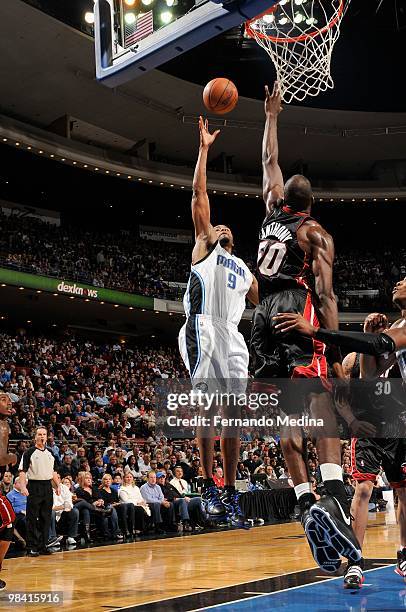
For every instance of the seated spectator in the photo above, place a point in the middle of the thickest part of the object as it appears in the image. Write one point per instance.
(129, 493)
(218, 477)
(160, 507)
(117, 482)
(6, 484)
(98, 470)
(65, 517)
(19, 503)
(111, 502)
(188, 509)
(68, 468)
(132, 466)
(270, 473)
(243, 472)
(89, 503)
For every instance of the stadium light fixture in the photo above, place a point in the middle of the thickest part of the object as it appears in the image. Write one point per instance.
(311, 21)
(89, 17)
(147, 2)
(283, 21)
(129, 2)
(166, 16)
(299, 17)
(130, 18)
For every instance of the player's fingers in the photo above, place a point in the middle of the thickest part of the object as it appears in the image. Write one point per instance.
(216, 133)
(275, 91)
(284, 316)
(206, 124)
(266, 91)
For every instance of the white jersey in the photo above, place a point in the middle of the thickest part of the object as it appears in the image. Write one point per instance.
(217, 286)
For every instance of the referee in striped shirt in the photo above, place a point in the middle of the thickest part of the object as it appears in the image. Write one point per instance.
(37, 467)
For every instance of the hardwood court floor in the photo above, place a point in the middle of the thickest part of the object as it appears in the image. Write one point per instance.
(111, 577)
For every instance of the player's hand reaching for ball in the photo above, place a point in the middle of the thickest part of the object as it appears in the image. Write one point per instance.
(273, 101)
(375, 323)
(206, 139)
(290, 321)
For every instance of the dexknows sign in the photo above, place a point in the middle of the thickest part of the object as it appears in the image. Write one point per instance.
(77, 290)
(73, 289)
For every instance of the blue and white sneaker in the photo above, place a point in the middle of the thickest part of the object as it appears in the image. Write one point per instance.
(212, 505)
(231, 501)
(323, 552)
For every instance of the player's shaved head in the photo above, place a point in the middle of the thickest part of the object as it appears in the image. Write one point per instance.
(298, 192)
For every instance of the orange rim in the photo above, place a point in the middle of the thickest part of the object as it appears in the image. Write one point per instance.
(289, 39)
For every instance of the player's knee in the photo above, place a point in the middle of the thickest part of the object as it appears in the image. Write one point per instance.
(292, 445)
(364, 489)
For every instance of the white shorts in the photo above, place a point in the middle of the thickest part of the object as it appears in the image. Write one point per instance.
(213, 349)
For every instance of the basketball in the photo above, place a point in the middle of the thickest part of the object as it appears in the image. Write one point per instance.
(220, 96)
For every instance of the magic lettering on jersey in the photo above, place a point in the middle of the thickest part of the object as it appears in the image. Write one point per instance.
(276, 230)
(231, 264)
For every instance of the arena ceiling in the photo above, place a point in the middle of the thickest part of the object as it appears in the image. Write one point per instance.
(47, 71)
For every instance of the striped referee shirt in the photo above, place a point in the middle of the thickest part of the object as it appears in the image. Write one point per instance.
(38, 464)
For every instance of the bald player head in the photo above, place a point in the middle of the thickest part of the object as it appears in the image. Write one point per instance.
(298, 193)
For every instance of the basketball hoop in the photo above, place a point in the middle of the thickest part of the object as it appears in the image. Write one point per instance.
(299, 37)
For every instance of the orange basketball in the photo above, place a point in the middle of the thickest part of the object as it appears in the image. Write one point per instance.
(220, 96)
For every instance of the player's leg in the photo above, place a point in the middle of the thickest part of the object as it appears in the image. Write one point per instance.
(6, 536)
(204, 358)
(237, 364)
(393, 464)
(332, 512)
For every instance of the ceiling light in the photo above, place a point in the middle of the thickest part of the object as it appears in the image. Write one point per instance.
(147, 2)
(4, 139)
(166, 16)
(129, 176)
(29, 148)
(283, 20)
(17, 144)
(129, 2)
(130, 18)
(311, 21)
(107, 171)
(299, 17)
(89, 17)
(268, 18)
(40, 151)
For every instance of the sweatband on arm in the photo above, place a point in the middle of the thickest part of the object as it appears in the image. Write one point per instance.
(367, 344)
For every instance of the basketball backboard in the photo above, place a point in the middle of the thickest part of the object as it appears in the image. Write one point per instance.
(135, 36)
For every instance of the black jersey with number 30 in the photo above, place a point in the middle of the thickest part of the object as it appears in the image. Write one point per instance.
(281, 262)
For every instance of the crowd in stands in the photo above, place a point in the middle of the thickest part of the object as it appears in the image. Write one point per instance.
(121, 260)
(119, 478)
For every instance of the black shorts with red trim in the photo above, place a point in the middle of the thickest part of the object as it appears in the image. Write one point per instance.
(369, 455)
(6, 534)
(280, 355)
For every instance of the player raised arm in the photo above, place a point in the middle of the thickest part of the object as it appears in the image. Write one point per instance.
(200, 199)
(272, 186)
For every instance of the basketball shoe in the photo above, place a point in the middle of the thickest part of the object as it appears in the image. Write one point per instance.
(333, 523)
(354, 576)
(231, 501)
(323, 552)
(401, 565)
(212, 505)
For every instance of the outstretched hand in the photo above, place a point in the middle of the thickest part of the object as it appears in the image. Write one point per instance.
(273, 101)
(290, 321)
(206, 139)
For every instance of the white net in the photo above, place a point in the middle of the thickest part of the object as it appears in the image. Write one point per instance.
(299, 36)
